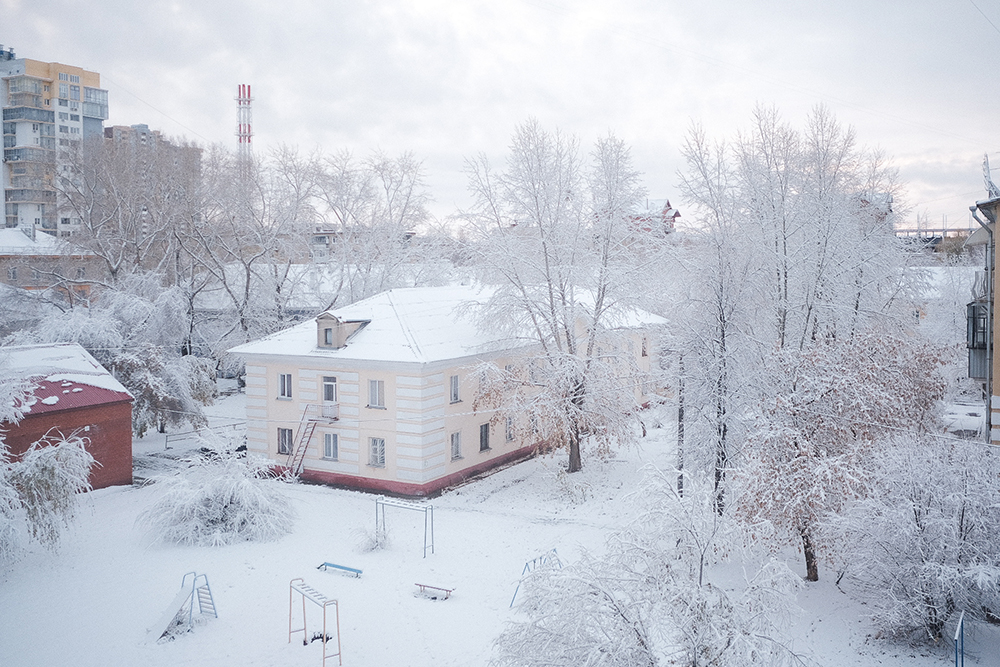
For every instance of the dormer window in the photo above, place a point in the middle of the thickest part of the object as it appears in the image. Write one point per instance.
(333, 333)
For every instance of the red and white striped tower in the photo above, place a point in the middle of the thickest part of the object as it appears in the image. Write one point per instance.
(244, 122)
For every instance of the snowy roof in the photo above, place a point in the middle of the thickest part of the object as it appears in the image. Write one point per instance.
(15, 242)
(65, 374)
(417, 324)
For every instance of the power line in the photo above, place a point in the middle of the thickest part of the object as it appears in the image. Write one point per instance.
(162, 113)
(985, 16)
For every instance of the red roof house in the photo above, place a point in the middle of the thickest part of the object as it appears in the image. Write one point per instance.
(73, 393)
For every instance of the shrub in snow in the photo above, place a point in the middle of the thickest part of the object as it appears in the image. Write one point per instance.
(47, 479)
(38, 491)
(922, 546)
(652, 599)
(375, 540)
(221, 499)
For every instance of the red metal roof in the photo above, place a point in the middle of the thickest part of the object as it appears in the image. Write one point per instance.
(66, 395)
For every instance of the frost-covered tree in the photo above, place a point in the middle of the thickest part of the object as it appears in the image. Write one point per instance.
(921, 545)
(371, 210)
(222, 498)
(556, 240)
(38, 490)
(655, 598)
(794, 247)
(137, 331)
(829, 406)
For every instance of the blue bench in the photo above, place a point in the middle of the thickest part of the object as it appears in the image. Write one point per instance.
(343, 568)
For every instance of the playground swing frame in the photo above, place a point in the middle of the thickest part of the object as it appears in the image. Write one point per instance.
(380, 504)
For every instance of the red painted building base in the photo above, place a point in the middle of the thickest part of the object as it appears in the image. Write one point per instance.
(409, 489)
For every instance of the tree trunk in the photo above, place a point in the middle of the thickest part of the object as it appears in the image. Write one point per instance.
(680, 425)
(812, 567)
(575, 462)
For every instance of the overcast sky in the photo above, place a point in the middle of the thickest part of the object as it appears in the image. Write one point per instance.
(447, 79)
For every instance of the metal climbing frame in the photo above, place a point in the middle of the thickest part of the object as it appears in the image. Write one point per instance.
(428, 510)
(550, 557)
(307, 592)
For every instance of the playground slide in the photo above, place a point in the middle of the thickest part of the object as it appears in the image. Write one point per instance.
(169, 615)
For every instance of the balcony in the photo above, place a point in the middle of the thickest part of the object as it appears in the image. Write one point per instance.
(30, 196)
(29, 113)
(25, 100)
(95, 110)
(323, 412)
(28, 155)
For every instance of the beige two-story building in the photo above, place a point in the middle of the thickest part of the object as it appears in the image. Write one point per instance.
(379, 394)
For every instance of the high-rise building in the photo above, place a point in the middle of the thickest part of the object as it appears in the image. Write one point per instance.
(48, 108)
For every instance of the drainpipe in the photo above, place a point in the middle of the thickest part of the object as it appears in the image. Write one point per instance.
(988, 208)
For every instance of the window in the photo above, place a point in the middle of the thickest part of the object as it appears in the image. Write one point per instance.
(284, 385)
(285, 437)
(328, 337)
(376, 452)
(74, 116)
(63, 90)
(81, 272)
(454, 389)
(74, 93)
(376, 393)
(34, 127)
(12, 273)
(456, 446)
(62, 103)
(330, 446)
(330, 389)
(645, 350)
(64, 129)
(73, 78)
(63, 76)
(509, 429)
(484, 437)
(63, 115)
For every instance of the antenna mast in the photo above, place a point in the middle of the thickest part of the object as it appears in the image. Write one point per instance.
(244, 123)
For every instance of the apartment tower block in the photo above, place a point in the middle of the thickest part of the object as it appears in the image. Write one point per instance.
(48, 109)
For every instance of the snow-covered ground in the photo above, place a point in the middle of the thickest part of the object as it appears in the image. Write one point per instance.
(93, 601)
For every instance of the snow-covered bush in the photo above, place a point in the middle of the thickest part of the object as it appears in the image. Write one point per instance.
(46, 481)
(655, 597)
(221, 499)
(922, 546)
(38, 491)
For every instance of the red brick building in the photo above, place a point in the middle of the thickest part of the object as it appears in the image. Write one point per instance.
(73, 394)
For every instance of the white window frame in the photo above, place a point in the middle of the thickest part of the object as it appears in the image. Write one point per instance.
(328, 336)
(509, 429)
(456, 445)
(284, 385)
(331, 446)
(329, 383)
(484, 437)
(453, 389)
(376, 452)
(376, 394)
(286, 440)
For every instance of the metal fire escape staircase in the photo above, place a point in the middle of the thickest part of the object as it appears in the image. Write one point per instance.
(311, 416)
